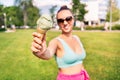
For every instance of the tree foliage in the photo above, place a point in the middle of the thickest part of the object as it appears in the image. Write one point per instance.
(1, 15)
(33, 15)
(13, 15)
(52, 10)
(16, 15)
(78, 10)
(23, 4)
(29, 11)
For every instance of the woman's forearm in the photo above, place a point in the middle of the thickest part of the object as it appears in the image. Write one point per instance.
(45, 55)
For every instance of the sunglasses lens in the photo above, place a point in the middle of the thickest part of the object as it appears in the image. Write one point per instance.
(69, 18)
(60, 20)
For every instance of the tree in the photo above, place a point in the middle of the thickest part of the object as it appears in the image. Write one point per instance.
(78, 9)
(114, 12)
(30, 13)
(10, 15)
(1, 15)
(32, 16)
(23, 4)
(13, 15)
(52, 12)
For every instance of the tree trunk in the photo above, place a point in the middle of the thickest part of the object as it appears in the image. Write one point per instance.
(25, 17)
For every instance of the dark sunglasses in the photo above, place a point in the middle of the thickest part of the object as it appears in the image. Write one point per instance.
(69, 18)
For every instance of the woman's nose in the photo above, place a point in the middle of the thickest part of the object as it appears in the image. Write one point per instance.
(65, 22)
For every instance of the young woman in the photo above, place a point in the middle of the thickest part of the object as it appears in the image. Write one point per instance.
(67, 48)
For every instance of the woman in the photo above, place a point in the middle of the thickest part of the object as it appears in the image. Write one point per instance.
(67, 48)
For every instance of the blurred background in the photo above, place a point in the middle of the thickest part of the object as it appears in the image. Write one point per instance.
(97, 24)
(88, 13)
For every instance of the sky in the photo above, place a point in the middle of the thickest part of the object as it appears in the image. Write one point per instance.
(11, 2)
(41, 2)
(7, 2)
(44, 5)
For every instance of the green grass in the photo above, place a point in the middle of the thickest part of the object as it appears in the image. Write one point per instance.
(18, 63)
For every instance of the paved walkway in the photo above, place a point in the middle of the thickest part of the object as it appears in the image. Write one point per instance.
(91, 30)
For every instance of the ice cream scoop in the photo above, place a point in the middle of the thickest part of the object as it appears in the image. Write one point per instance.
(44, 23)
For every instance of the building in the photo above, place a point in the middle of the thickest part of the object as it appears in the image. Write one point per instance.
(97, 11)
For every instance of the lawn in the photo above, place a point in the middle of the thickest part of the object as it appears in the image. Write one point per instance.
(18, 63)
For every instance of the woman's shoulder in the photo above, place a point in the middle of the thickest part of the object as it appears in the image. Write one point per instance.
(54, 40)
(76, 36)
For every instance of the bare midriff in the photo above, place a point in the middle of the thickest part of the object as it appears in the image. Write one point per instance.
(71, 70)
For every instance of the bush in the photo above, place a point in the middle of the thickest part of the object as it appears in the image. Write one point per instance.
(116, 27)
(76, 28)
(2, 29)
(94, 28)
(90, 28)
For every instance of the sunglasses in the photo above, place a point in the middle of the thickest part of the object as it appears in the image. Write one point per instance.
(69, 18)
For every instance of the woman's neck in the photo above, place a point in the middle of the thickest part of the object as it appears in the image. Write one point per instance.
(67, 36)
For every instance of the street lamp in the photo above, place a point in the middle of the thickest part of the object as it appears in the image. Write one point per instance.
(111, 1)
(110, 15)
(5, 20)
(119, 15)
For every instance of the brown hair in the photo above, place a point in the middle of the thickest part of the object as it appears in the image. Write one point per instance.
(64, 8)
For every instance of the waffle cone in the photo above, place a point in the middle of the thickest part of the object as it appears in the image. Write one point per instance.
(41, 31)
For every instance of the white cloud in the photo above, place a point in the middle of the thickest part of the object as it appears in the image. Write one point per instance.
(45, 5)
(7, 2)
(40, 3)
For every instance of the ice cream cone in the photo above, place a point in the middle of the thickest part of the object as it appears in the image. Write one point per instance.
(41, 31)
(44, 23)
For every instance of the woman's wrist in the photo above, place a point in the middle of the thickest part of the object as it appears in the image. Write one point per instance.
(45, 51)
(45, 54)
